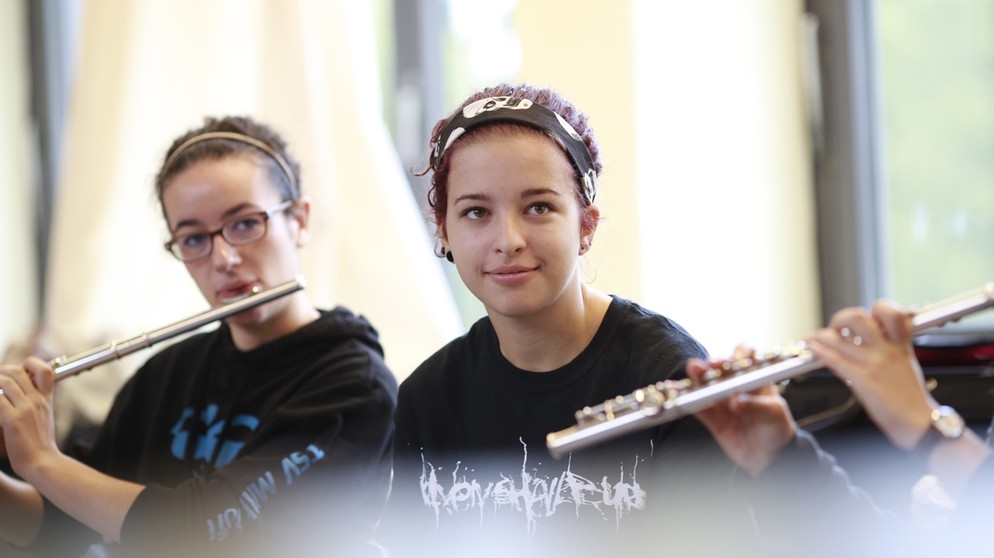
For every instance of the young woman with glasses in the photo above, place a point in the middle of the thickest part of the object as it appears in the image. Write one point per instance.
(267, 436)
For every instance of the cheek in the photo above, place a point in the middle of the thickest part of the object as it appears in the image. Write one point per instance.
(200, 273)
(461, 247)
(456, 233)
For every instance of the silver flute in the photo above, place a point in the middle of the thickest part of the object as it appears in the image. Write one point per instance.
(70, 366)
(668, 400)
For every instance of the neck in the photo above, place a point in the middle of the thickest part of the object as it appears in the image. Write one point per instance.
(274, 320)
(553, 338)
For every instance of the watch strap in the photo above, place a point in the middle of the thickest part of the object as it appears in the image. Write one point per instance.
(945, 424)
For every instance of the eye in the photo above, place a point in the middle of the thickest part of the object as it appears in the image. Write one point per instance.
(540, 208)
(474, 213)
(245, 227)
(192, 241)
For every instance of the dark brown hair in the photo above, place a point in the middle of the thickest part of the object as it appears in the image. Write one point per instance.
(219, 148)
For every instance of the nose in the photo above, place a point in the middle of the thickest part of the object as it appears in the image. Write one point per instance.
(223, 255)
(509, 236)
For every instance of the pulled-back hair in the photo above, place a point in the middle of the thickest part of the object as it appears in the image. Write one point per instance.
(223, 137)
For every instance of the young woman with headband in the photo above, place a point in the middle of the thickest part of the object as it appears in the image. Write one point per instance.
(514, 183)
(267, 436)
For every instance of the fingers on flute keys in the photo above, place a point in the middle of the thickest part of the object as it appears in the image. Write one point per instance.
(848, 335)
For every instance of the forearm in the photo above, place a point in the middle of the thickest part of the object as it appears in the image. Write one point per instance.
(20, 511)
(954, 462)
(97, 500)
(804, 494)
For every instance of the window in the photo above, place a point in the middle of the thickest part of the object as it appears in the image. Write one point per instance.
(445, 51)
(937, 129)
(906, 177)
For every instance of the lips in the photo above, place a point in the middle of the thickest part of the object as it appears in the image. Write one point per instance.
(506, 275)
(232, 293)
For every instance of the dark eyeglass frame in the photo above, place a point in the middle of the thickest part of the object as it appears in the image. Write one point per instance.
(173, 245)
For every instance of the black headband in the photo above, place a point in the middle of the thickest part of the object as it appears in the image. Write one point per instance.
(522, 111)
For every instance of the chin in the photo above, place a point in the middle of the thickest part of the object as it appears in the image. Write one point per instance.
(514, 308)
(250, 317)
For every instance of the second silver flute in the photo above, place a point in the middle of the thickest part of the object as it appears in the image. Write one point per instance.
(70, 366)
(671, 399)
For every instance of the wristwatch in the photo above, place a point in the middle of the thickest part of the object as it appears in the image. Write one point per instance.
(946, 424)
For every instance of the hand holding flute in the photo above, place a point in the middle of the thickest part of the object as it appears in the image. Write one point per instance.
(872, 353)
(750, 427)
(27, 407)
(26, 411)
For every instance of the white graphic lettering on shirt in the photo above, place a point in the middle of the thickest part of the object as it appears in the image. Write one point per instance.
(531, 496)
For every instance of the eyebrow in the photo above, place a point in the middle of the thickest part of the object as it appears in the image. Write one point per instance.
(224, 216)
(529, 193)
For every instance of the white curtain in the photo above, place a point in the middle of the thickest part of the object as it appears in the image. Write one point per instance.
(18, 292)
(148, 71)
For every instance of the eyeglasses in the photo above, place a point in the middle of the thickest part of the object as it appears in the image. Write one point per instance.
(237, 231)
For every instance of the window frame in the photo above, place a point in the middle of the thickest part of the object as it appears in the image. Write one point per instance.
(848, 167)
(845, 158)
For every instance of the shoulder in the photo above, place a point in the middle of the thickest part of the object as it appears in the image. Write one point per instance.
(343, 325)
(644, 327)
(339, 343)
(336, 335)
(451, 362)
(196, 347)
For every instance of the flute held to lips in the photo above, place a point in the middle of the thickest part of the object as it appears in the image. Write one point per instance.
(69, 366)
(671, 399)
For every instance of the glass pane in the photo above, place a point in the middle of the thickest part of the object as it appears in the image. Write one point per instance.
(482, 47)
(936, 117)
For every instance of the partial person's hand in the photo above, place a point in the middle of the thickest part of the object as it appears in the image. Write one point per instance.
(749, 427)
(872, 353)
(26, 412)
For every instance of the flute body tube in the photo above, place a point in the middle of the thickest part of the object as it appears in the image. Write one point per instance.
(671, 399)
(69, 366)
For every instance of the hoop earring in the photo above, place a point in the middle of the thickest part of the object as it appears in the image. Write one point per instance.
(588, 272)
(448, 256)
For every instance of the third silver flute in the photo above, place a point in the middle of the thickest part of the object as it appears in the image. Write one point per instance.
(671, 399)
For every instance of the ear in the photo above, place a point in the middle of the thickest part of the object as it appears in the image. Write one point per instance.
(300, 213)
(589, 219)
(442, 236)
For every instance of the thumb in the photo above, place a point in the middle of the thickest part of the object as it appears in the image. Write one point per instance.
(42, 374)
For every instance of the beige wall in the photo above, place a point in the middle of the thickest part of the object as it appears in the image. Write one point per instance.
(707, 190)
(590, 62)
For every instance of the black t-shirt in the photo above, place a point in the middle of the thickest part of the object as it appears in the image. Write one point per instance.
(473, 474)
